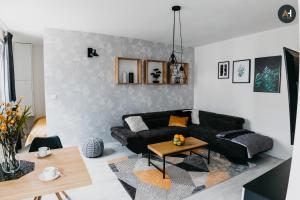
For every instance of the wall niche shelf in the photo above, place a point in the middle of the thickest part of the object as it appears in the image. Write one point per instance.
(183, 75)
(155, 72)
(128, 71)
(134, 71)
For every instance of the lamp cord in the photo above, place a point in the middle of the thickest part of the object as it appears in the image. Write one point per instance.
(174, 32)
(180, 37)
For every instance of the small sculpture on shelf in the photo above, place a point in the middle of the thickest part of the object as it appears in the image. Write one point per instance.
(176, 74)
(156, 75)
(131, 77)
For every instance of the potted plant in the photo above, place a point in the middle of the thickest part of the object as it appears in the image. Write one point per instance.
(155, 75)
(12, 123)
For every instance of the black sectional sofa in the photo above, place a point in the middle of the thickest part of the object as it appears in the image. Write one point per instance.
(210, 125)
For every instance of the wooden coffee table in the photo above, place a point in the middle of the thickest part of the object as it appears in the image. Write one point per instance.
(164, 149)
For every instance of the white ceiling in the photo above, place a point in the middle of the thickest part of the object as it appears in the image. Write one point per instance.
(204, 21)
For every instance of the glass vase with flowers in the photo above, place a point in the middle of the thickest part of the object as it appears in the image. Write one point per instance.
(12, 123)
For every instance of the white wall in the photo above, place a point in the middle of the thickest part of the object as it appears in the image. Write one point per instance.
(82, 98)
(264, 113)
(22, 53)
(38, 80)
(37, 75)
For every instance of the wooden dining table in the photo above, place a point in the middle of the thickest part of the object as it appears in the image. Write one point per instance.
(69, 162)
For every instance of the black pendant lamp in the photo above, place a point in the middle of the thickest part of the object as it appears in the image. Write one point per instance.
(173, 62)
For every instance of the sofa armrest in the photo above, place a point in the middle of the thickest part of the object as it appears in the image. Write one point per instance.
(124, 135)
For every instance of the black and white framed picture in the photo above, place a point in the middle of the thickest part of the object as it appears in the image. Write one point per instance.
(223, 70)
(241, 71)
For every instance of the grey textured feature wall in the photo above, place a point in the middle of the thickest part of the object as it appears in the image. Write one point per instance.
(82, 99)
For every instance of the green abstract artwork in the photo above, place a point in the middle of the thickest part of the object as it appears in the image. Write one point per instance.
(267, 74)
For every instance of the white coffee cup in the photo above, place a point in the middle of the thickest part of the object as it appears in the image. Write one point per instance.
(50, 172)
(43, 151)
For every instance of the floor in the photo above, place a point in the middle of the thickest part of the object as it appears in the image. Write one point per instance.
(106, 186)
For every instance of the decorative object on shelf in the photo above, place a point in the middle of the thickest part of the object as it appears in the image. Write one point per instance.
(181, 76)
(178, 140)
(223, 70)
(92, 52)
(133, 69)
(131, 77)
(93, 148)
(176, 70)
(156, 74)
(267, 74)
(12, 124)
(241, 71)
(124, 77)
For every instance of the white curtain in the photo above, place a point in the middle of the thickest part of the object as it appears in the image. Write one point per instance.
(4, 73)
(2, 77)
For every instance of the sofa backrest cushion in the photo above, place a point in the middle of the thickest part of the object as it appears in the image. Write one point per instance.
(220, 122)
(178, 121)
(136, 123)
(156, 120)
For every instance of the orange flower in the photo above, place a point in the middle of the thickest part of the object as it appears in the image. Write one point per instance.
(8, 112)
(3, 128)
(12, 122)
(1, 117)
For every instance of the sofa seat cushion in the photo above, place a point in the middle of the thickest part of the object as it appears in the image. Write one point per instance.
(161, 134)
(124, 135)
(206, 134)
(231, 149)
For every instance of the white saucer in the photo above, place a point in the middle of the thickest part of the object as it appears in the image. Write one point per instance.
(44, 179)
(38, 155)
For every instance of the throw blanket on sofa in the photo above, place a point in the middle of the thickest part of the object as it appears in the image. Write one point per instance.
(255, 143)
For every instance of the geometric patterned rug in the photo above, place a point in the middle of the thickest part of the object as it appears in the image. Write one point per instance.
(185, 175)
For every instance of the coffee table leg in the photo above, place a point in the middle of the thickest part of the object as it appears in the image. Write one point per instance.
(164, 167)
(208, 156)
(148, 157)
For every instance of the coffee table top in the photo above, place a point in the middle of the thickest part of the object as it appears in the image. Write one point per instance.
(167, 148)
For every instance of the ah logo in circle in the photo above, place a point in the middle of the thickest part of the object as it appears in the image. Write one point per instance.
(287, 13)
